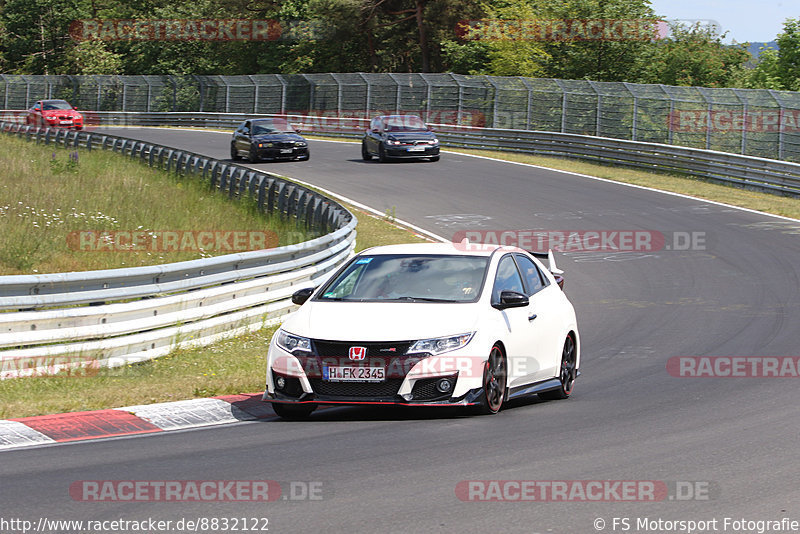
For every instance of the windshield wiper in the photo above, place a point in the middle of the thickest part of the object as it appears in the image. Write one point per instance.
(424, 299)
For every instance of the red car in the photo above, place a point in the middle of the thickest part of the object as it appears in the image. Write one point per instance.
(54, 113)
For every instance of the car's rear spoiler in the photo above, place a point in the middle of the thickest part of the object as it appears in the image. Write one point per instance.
(551, 260)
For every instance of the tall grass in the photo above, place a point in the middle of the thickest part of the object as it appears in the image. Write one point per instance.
(50, 195)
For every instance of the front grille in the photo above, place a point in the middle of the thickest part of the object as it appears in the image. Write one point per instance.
(387, 389)
(341, 349)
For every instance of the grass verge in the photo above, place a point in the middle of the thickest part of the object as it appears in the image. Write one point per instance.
(65, 210)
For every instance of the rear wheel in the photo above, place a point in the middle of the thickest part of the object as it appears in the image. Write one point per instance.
(569, 372)
(365, 155)
(293, 412)
(495, 378)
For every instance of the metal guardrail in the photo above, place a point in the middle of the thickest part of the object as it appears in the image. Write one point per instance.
(145, 312)
(747, 171)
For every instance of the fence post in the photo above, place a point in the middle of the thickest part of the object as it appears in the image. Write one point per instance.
(780, 123)
(283, 93)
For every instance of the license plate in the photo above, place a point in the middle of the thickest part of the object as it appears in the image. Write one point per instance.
(353, 374)
(286, 151)
(416, 149)
(65, 122)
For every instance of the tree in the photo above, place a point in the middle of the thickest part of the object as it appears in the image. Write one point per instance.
(788, 61)
(92, 57)
(499, 53)
(36, 34)
(615, 55)
(693, 56)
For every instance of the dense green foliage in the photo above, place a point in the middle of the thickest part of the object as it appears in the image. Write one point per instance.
(387, 36)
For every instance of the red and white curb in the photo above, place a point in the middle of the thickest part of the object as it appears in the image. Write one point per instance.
(130, 420)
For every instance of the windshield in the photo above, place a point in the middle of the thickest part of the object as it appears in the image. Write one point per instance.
(409, 278)
(404, 123)
(58, 104)
(273, 126)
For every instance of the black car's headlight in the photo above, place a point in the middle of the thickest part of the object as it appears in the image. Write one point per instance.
(393, 142)
(434, 141)
(300, 143)
(440, 345)
(290, 342)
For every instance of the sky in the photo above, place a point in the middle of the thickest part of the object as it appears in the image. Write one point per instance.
(744, 20)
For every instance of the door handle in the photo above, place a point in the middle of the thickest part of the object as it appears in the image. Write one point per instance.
(532, 317)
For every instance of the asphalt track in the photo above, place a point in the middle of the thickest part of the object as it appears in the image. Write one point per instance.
(397, 470)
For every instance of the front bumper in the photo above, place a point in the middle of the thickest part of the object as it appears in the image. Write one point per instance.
(283, 153)
(412, 151)
(413, 379)
(471, 398)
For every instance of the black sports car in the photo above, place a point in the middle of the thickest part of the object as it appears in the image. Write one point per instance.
(399, 136)
(272, 139)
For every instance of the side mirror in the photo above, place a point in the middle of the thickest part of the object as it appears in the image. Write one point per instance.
(300, 296)
(559, 281)
(376, 130)
(511, 299)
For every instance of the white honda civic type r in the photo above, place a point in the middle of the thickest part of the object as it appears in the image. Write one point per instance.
(427, 325)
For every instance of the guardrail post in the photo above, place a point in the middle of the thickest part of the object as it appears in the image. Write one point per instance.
(263, 187)
(291, 200)
(275, 189)
(235, 174)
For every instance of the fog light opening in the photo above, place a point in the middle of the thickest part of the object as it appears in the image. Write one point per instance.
(280, 382)
(444, 385)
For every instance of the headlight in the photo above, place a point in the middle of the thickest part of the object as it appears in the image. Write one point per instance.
(440, 345)
(290, 342)
(300, 143)
(393, 142)
(434, 141)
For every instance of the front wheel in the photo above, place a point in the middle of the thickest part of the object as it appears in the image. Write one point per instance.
(495, 378)
(569, 371)
(292, 412)
(365, 155)
(382, 157)
(252, 155)
(434, 158)
(234, 152)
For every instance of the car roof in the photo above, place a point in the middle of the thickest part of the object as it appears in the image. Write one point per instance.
(396, 116)
(453, 249)
(54, 100)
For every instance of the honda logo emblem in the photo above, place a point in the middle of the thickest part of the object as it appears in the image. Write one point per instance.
(358, 353)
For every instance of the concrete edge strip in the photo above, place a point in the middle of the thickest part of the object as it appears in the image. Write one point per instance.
(131, 420)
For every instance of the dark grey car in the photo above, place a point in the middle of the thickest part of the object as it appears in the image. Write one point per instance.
(399, 136)
(268, 139)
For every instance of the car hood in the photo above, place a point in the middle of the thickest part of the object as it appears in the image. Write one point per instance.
(60, 112)
(411, 136)
(381, 321)
(278, 137)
